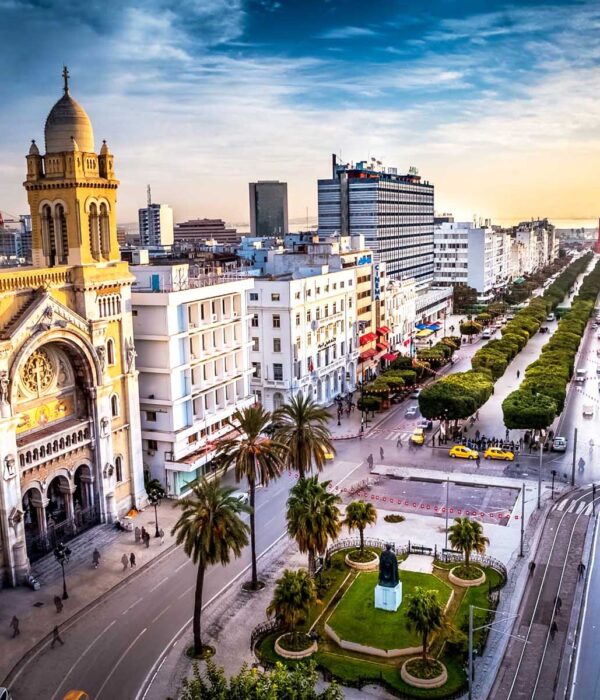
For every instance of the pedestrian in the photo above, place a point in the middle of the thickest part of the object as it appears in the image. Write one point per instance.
(55, 637)
(476, 415)
(477, 434)
(531, 568)
(96, 558)
(433, 441)
(143, 534)
(138, 534)
(399, 441)
(518, 373)
(478, 460)
(370, 460)
(58, 603)
(161, 534)
(381, 452)
(558, 603)
(14, 623)
(132, 560)
(581, 569)
(553, 629)
(521, 441)
(506, 434)
(147, 540)
(125, 562)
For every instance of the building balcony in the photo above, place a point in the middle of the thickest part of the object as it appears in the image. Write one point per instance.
(53, 442)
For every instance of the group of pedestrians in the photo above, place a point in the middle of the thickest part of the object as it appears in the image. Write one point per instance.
(142, 536)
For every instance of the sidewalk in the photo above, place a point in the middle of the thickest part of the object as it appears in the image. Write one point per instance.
(85, 585)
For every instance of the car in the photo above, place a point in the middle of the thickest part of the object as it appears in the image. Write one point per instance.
(499, 453)
(487, 334)
(463, 452)
(426, 424)
(550, 317)
(418, 436)
(5, 695)
(559, 444)
(242, 496)
(510, 317)
(414, 394)
(328, 456)
(588, 410)
(544, 329)
(411, 412)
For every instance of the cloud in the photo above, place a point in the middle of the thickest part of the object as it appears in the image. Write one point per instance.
(347, 33)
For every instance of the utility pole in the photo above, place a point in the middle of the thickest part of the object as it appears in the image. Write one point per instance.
(594, 500)
(522, 518)
(541, 448)
(447, 492)
(574, 457)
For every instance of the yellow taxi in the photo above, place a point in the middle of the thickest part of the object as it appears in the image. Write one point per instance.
(328, 456)
(463, 452)
(418, 436)
(499, 453)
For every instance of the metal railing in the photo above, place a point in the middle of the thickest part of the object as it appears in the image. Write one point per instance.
(40, 545)
(262, 630)
(478, 559)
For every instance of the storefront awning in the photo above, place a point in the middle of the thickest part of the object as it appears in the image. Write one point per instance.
(382, 345)
(366, 338)
(389, 356)
(367, 355)
(424, 333)
(434, 327)
(421, 326)
(383, 330)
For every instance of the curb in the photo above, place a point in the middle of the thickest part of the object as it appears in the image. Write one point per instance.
(69, 621)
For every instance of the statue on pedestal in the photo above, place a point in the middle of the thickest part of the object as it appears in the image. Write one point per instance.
(388, 592)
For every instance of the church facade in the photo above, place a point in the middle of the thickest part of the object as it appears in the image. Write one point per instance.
(70, 446)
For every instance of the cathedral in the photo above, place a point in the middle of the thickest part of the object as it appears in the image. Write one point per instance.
(70, 445)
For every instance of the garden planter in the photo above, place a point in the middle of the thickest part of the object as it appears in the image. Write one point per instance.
(372, 565)
(465, 582)
(417, 682)
(304, 653)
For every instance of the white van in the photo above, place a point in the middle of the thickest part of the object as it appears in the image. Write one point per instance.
(550, 317)
(580, 375)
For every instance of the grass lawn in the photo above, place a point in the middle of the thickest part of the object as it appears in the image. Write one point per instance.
(357, 620)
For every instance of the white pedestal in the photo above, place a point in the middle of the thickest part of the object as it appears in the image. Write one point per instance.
(388, 598)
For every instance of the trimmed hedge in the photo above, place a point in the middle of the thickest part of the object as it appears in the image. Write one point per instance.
(541, 396)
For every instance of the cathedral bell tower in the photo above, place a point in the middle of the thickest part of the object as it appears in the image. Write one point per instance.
(72, 191)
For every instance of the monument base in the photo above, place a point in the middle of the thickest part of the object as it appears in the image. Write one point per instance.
(388, 598)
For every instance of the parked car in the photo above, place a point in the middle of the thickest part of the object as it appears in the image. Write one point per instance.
(487, 334)
(588, 410)
(463, 452)
(418, 436)
(414, 394)
(499, 453)
(559, 444)
(411, 412)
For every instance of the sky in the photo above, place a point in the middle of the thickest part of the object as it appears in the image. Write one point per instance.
(497, 104)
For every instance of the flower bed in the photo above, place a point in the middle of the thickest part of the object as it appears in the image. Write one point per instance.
(367, 560)
(421, 674)
(295, 646)
(465, 577)
(394, 518)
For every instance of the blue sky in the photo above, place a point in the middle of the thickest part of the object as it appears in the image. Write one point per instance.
(495, 103)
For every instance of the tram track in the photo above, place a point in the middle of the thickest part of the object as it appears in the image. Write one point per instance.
(526, 673)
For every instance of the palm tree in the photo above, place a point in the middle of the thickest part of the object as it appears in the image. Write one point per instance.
(294, 592)
(313, 517)
(210, 529)
(301, 425)
(425, 615)
(255, 457)
(467, 536)
(359, 514)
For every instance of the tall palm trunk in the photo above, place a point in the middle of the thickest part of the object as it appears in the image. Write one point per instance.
(252, 487)
(198, 608)
(362, 539)
(425, 647)
(311, 562)
(467, 557)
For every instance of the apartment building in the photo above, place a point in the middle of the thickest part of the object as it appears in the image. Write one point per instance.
(401, 315)
(191, 338)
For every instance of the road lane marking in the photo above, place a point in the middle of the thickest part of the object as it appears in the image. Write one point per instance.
(160, 583)
(185, 563)
(89, 646)
(116, 666)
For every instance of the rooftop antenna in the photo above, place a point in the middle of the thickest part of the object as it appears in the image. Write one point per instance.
(149, 194)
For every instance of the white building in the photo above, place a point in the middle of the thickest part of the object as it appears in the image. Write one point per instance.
(303, 335)
(156, 225)
(476, 256)
(401, 314)
(191, 338)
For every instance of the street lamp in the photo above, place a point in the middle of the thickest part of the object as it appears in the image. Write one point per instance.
(155, 496)
(62, 554)
(553, 475)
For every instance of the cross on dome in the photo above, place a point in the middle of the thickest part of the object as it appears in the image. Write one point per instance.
(66, 75)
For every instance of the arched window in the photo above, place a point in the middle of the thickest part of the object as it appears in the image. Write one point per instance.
(61, 235)
(114, 405)
(104, 231)
(94, 232)
(110, 351)
(48, 242)
(119, 468)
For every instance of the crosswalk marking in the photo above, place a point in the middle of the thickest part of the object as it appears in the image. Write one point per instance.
(561, 505)
(580, 507)
(588, 510)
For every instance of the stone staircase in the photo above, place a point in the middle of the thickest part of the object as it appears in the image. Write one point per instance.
(47, 570)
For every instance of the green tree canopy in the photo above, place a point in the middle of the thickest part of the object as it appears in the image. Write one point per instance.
(467, 537)
(294, 592)
(425, 615)
(526, 411)
(359, 514)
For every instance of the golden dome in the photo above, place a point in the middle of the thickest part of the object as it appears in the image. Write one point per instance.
(68, 124)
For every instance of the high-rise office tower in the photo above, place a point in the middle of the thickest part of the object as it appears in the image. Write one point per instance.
(156, 224)
(394, 212)
(268, 208)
